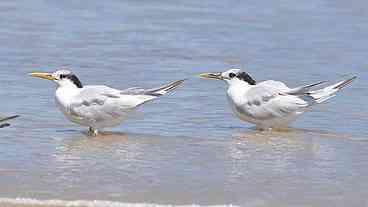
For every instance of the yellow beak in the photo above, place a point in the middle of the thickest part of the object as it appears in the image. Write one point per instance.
(47, 76)
(216, 76)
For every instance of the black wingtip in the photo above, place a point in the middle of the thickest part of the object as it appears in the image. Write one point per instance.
(165, 89)
(174, 85)
(346, 82)
(316, 84)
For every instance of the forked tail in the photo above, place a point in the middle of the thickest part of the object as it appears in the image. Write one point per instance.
(144, 95)
(164, 89)
(328, 92)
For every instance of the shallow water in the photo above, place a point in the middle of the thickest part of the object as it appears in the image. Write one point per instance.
(186, 148)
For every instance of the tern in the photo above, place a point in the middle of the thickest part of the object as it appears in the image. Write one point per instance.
(271, 104)
(98, 106)
(3, 119)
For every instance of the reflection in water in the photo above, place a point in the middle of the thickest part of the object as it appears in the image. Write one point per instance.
(104, 139)
(113, 144)
(259, 152)
(296, 161)
(250, 165)
(290, 135)
(266, 152)
(81, 158)
(280, 143)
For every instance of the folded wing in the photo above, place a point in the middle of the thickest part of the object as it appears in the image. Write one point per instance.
(99, 103)
(270, 100)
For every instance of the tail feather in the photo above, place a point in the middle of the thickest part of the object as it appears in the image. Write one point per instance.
(303, 89)
(344, 83)
(164, 89)
(324, 94)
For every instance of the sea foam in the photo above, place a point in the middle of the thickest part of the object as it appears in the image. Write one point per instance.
(84, 203)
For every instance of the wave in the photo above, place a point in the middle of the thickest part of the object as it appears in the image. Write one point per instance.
(25, 202)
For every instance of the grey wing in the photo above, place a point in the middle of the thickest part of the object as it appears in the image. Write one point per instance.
(153, 92)
(89, 92)
(133, 91)
(98, 103)
(301, 90)
(274, 85)
(264, 102)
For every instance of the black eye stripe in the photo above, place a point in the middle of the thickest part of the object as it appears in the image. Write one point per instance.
(246, 77)
(72, 78)
(232, 75)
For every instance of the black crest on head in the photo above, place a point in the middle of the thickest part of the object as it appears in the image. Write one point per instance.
(246, 77)
(73, 78)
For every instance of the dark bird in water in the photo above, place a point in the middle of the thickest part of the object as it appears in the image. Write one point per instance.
(2, 120)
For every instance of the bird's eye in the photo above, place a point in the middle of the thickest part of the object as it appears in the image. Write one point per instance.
(232, 75)
(62, 76)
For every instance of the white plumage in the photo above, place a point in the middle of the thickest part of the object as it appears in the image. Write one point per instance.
(95, 106)
(271, 104)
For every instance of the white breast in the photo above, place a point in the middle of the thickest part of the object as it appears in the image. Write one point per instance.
(237, 101)
(63, 99)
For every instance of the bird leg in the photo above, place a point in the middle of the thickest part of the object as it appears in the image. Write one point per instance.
(92, 132)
